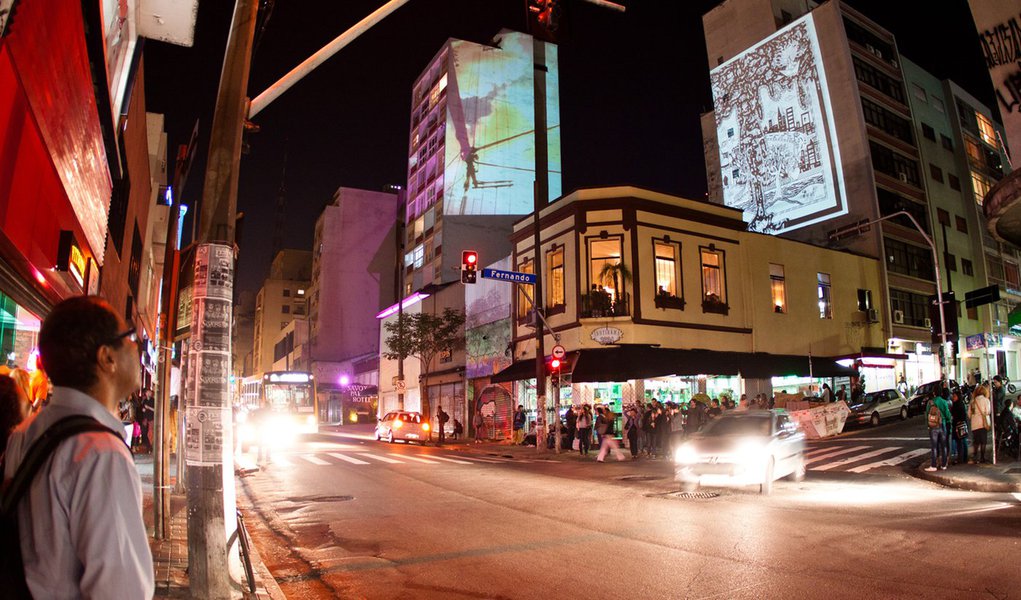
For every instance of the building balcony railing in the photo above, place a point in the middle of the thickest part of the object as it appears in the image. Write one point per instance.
(602, 304)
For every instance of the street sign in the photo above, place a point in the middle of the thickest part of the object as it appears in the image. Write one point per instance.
(558, 351)
(400, 386)
(512, 276)
(986, 295)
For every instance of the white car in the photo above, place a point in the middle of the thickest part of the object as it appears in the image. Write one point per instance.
(403, 425)
(742, 448)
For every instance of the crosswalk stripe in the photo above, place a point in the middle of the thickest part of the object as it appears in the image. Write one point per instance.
(856, 458)
(315, 460)
(453, 460)
(353, 461)
(421, 460)
(381, 458)
(283, 462)
(834, 453)
(812, 453)
(484, 460)
(890, 462)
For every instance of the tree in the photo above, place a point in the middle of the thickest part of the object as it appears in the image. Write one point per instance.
(618, 274)
(425, 336)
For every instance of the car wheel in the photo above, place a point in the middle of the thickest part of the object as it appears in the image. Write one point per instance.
(766, 488)
(377, 436)
(390, 437)
(799, 471)
(904, 413)
(875, 419)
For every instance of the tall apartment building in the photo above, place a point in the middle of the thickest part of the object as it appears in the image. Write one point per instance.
(472, 157)
(281, 299)
(813, 130)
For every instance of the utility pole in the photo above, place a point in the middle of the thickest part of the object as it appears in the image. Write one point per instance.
(209, 424)
(541, 194)
(167, 318)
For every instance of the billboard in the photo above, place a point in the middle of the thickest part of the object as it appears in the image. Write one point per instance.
(489, 162)
(488, 324)
(779, 158)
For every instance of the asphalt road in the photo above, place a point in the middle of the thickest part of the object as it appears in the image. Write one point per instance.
(337, 517)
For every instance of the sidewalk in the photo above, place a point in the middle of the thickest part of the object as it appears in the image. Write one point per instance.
(1004, 477)
(170, 556)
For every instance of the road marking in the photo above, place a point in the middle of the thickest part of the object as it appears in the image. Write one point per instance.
(421, 460)
(856, 458)
(485, 460)
(453, 460)
(381, 458)
(890, 462)
(812, 453)
(353, 461)
(855, 439)
(283, 462)
(834, 453)
(315, 460)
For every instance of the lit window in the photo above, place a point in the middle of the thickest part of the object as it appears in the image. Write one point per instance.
(713, 288)
(985, 129)
(825, 302)
(980, 185)
(301, 292)
(555, 264)
(419, 256)
(666, 268)
(524, 304)
(778, 287)
(605, 266)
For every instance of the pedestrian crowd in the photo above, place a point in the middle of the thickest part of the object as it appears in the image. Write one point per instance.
(959, 416)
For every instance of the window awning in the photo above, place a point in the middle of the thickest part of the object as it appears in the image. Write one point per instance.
(621, 363)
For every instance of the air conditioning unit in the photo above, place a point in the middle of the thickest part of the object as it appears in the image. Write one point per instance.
(928, 323)
(903, 177)
(898, 316)
(872, 315)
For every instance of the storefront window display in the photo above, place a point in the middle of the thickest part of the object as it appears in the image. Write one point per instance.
(19, 332)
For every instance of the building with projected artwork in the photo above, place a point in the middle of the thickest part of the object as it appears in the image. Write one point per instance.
(472, 159)
(813, 130)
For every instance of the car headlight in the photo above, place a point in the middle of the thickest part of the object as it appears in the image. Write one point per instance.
(686, 455)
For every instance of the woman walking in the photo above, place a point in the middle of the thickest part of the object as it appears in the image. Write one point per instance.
(607, 441)
(979, 423)
(959, 428)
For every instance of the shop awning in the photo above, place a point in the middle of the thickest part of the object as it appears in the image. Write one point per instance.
(1014, 316)
(621, 363)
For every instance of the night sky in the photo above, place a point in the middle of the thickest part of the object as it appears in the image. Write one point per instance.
(632, 87)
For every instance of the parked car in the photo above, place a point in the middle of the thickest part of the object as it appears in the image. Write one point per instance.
(742, 448)
(403, 425)
(873, 407)
(923, 393)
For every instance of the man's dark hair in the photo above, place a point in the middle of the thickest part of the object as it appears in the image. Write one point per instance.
(70, 336)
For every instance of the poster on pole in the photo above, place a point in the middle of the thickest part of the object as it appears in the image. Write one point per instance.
(204, 435)
(208, 412)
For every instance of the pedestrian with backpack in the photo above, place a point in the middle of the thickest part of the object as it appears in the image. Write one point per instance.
(72, 494)
(937, 415)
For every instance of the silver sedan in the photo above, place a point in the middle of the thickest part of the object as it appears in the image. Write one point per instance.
(742, 448)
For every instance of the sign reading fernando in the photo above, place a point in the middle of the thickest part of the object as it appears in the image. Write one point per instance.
(513, 276)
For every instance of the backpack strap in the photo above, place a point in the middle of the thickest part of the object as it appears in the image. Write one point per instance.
(40, 451)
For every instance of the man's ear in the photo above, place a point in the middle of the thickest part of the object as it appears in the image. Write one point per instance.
(105, 358)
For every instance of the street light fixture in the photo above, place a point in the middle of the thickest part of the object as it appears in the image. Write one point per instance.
(863, 226)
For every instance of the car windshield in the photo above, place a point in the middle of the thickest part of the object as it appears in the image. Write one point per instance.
(873, 397)
(738, 425)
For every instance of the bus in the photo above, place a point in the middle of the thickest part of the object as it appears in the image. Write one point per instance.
(290, 399)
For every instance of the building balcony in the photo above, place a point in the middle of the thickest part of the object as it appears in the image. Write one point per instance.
(602, 304)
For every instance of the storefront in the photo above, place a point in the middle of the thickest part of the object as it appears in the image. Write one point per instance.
(19, 333)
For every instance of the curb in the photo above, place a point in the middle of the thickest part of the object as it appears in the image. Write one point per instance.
(965, 484)
(266, 586)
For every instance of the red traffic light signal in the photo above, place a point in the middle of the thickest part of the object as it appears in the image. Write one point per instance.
(469, 265)
(555, 364)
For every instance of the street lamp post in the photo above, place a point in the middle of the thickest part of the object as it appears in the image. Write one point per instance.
(863, 226)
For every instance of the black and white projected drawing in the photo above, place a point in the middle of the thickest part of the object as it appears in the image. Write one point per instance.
(779, 159)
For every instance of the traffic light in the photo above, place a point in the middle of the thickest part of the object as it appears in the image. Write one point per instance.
(555, 368)
(469, 266)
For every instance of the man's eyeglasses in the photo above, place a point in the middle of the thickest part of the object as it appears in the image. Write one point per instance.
(129, 334)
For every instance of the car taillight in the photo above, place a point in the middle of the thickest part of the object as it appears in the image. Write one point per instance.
(398, 423)
(425, 427)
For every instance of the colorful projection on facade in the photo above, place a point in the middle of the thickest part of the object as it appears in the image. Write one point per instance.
(779, 158)
(490, 133)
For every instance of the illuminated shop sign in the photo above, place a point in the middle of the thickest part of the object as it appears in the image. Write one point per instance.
(779, 160)
(71, 259)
